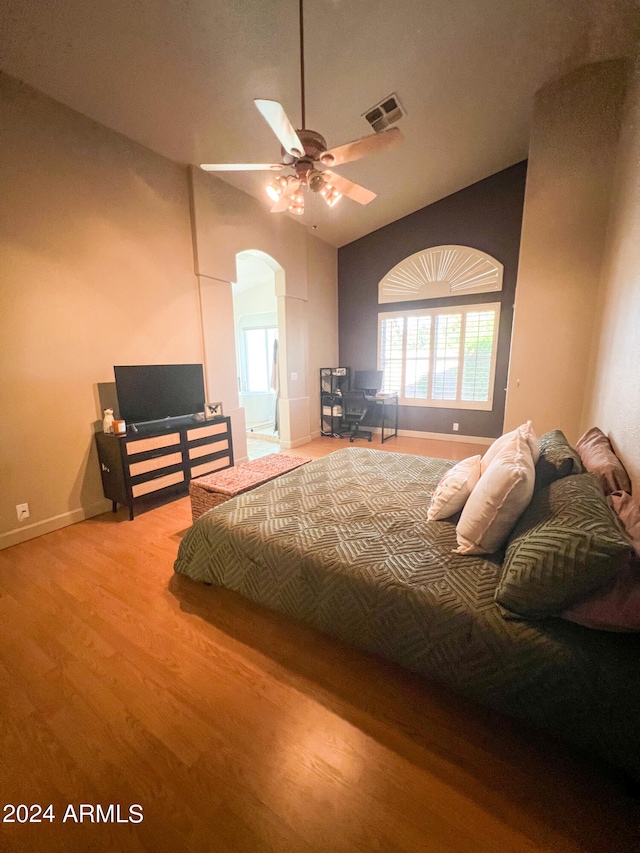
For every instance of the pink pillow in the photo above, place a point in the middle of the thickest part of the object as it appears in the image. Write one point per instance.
(628, 511)
(617, 606)
(599, 458)
(454, 488)
(526, 431)
(501, 495)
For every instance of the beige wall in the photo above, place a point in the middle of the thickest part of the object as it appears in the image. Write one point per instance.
(574, 141)
(219, 356)
(97, 269)
(613, 397)
(322, 331)
(227, 222)
(260, 299)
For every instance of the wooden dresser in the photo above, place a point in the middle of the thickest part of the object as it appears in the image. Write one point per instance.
(161, 461)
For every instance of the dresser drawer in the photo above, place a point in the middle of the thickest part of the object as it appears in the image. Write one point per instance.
(154, 464)
(159, 483)
(156, 442)
(208, 467)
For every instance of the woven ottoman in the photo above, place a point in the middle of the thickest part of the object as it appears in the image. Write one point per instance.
(213, 489)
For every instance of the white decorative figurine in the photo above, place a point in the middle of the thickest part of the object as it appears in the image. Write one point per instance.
(107, 421)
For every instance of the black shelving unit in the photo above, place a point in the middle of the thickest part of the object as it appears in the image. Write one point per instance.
(332, 382)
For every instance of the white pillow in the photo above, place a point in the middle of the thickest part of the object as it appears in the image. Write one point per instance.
(454, 488)
(502, 494)
(526, 430)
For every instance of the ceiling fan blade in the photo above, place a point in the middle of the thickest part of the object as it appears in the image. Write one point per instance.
(348, 188)
(242, 167)
(285, 199)
(362, 147)
(280, 124)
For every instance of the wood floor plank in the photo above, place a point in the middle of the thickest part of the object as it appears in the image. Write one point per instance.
(238, 729)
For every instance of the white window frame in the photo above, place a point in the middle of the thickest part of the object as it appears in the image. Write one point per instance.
(432, 312)
(252, 322)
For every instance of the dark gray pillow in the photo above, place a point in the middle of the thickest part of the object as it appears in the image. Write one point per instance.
(557, 459)
(566, 545)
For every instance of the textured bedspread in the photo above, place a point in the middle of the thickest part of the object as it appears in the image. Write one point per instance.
(344, 543)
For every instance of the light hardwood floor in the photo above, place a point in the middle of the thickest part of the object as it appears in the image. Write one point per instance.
(237, 729)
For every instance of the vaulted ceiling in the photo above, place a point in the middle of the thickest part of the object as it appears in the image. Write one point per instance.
(180, 76)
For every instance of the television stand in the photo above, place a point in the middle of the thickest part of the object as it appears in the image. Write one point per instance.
(162, 460)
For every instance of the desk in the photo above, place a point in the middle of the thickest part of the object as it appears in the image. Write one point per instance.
(388, 415)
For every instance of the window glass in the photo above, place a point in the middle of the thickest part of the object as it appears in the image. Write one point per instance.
(258, 360)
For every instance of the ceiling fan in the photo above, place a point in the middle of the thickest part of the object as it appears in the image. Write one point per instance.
(305, 153)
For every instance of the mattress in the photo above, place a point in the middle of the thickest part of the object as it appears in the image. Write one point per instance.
(343, 543)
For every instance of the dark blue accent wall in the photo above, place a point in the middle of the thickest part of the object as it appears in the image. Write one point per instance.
(485, 216)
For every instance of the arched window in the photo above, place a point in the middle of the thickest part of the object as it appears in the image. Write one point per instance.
(444, 356)
(441, 271)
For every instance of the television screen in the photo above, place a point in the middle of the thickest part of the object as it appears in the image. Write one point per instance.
(368, 380)
(153, 392)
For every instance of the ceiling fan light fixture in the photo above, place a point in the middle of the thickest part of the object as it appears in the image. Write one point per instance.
(275, 188)
(297, 204)
(330, 195)
(316, 181)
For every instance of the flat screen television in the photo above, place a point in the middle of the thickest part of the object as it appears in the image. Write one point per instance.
(155, 392)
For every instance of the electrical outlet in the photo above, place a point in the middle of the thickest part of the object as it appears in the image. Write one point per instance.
(456, 427)
(23, 511)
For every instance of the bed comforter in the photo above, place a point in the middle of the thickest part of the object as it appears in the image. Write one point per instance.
(344, 544)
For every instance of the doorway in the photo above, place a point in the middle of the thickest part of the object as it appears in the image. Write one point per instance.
(255, 310)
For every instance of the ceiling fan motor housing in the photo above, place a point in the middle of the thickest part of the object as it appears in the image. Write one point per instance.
(314, 144)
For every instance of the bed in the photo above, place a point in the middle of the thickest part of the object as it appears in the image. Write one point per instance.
(343, 543)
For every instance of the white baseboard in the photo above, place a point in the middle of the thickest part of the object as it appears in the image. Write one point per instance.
(39, 528)
(437, 436)
(263, 436)
(445, 436)
(288, 445)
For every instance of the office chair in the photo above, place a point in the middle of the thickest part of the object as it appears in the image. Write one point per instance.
(354, 409)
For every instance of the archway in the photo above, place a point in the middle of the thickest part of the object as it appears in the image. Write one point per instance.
(258, 333)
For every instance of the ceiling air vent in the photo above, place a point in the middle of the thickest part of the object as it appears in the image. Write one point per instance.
(384, 114)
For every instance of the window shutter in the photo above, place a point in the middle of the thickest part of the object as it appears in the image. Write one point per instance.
(478, 355)
(441, 356)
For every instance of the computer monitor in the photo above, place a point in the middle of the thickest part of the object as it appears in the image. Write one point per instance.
(369, 381)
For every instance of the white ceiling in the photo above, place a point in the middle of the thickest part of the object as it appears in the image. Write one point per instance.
(179, 76)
